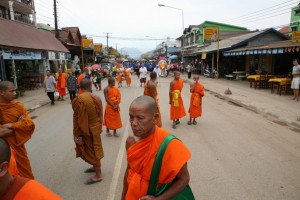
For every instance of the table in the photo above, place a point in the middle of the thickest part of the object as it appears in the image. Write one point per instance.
(258, 79)
(280, 83)
(239, 74)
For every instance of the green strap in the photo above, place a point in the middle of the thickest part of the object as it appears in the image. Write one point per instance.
(157, 165)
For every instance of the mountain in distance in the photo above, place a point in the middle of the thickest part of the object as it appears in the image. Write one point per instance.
(132, 52)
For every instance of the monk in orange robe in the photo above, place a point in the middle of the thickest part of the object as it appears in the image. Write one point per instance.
(87, 127)
(112, 116)
(19, 188)
(177, 108)
(197, 90)
(127, 74)
(80, 77)
(61, 84)
(16, 126)
(141, 154)
(150, 89)
(120, 71)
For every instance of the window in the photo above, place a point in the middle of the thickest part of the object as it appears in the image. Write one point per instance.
(294, 28)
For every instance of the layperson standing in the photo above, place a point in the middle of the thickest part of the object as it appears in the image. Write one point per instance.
(177, 110)
(72, 86)
(50, 86)
(143, 74)
(139, 180)
(150, 89)
(195, 110)
(87, 127)
(16, 187)
(112, 115)
(296, 79)
(16, 126)
(61, 84)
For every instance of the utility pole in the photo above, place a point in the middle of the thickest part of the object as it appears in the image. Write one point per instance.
(107, 42)
(55, 20)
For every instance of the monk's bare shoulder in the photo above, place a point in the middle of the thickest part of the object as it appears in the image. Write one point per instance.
(130, 141)
(96, 97)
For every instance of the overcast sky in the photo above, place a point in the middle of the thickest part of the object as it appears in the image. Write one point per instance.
(144, 20)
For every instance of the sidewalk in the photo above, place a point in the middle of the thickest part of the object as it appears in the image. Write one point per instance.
(280, 109)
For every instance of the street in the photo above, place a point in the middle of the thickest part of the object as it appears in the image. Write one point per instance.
(236, 153)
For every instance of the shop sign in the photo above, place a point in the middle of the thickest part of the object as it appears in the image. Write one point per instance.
(97, 47)
(21, 55)
(87, 44)
(296, 36)
(210, 34)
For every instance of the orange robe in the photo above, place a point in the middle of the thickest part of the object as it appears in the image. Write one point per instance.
(79, 79)
(23, 188)
(141, 157)
(196, 101)
(87, 124)
(13, 170)
(147, 93)
(112, 118)
(127, 76)
(177, 111)
(22, 133)
(61, 84)
(119, 77)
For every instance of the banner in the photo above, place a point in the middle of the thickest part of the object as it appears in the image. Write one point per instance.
(87, 44)
(210, 34)
(97, 47)
(296, 36)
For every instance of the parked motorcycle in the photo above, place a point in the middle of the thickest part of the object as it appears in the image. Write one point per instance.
(210, 74)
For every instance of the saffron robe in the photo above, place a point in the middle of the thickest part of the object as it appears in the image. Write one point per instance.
(22, 133)
(119, 77)
(177, 108)
(61, 84)
(79, 79)
(23, 188)
(87, 125)
(140, 157)
(147, 93)
(13, 170)
(127, 75)
(112, 118)
(196, 101)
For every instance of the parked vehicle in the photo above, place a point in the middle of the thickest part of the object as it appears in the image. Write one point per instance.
(106, 68)
(210, 73)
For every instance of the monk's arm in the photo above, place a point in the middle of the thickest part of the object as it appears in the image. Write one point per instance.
(170, 93)
(192, 88)
(4, 131)
(151, 90)
(180, 181)
(125, 184)
(106, 98)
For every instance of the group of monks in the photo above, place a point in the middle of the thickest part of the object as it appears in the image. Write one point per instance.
(123, 72)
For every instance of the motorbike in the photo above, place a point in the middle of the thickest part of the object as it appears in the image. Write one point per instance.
(210, 74)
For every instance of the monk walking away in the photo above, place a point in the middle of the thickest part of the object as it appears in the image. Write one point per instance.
(140, 181)
(87, 127)
(197, 92)
(112, 115)
(16, 126)
(61, 84)
(177, 110)
(150, 89)
(19, 188)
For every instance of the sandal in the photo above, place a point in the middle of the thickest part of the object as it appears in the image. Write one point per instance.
(92, 181)
(189, 123)
(108, 134)
(194, 122)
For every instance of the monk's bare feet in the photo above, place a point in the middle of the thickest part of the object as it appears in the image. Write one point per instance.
(130, 141)
(116, 134)
(108, 134)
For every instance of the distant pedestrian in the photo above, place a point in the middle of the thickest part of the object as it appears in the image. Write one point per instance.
(296, 79)
(98, 75)
(158, 74)
(143, 74)
(50, 86)
(72, 86)
(61, 84)
(197, 90)
(189, 70)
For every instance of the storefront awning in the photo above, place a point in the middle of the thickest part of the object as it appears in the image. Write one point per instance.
(17, 35)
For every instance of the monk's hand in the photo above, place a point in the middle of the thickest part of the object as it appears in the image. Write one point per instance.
(22, 118)
(130, 141)
(4, 131)
(8, 125)
(147, 197)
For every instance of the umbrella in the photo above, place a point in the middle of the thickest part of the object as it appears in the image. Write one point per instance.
(173, 57)
(94, 67)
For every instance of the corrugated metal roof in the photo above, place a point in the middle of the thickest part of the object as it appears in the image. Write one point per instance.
(18, 35)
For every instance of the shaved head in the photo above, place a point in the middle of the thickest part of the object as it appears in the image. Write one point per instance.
(146, 101)
(85, 84)
(5, 84)
(111, 80)
(153, 75)
(4, 151)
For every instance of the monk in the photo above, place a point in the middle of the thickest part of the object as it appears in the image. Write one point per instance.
(150, 89)
(87, 120)
(19, 188)
(16, 126)
(141, 154)
(112, 116)
(61, 85)
(195, 110)
(80, 77)
(120, 71)
(127, 74)
(177, 107)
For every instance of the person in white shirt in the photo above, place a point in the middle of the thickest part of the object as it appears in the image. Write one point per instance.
(296, 79)
(157, 71)
(143, 74)
(50, 86)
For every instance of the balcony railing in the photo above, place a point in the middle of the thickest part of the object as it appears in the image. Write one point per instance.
(23, 19)
(27, 2)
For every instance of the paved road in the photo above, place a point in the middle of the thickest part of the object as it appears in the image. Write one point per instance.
(236, 154)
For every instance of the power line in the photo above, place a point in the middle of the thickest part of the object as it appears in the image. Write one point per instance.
(260, 19)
